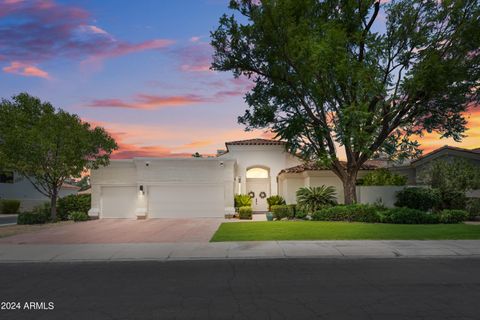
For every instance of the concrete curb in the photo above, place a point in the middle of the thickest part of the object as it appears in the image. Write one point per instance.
(238, 250)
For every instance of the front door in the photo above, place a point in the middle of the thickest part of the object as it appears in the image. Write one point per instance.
(259, 190)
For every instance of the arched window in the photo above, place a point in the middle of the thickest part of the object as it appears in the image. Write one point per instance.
(257, 173)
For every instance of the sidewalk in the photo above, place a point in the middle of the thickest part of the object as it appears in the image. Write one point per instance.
(238, 250)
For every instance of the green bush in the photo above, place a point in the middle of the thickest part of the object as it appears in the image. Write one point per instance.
(73, 203)
(418, 198)
(450, 199)
(407, 216)
(300, 214)
(383, 177)
(242, 200)
(473, 207)
(245, 213)
(281, 211)
(312, 199)
(452, 216)
(78, 216)
(293, 209)
(274, 201)
(353, 212)
(9, 206)
(33, 218)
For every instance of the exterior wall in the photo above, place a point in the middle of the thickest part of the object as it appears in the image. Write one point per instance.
(387, 195)
(21, 189)
(271, 157)
(152, 172)
(291, 182)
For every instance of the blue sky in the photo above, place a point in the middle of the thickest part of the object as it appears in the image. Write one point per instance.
(137, 68)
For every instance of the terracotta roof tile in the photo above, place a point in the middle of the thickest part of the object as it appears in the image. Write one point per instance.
(251, 142)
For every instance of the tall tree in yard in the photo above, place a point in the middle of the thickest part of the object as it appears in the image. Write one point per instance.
(47, 146)
(353, 77)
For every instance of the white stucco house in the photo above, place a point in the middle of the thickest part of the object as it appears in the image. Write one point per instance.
(14, 186)
(204, 187)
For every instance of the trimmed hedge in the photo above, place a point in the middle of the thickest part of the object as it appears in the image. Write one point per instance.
(78, 216)
(452, 216)
(9, 206)
(33, 218)
(419, 198)
(407, 216)
(245, 213)
(282, 211)
(73, 203)
(354, 212)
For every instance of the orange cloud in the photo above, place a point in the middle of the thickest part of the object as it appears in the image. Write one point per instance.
(148, 102)
(432, 141)
(170, 141)
(25, 70)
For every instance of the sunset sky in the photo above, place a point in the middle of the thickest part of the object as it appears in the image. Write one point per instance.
(138, 68)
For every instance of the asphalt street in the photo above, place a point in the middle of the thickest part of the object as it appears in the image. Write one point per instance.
(245, 289)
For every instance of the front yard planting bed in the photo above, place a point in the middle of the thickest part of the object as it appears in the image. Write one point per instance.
(320, 230)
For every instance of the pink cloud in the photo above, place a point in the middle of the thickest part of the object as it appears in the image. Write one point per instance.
(44, 30)
(145, 140)
(26, 70)
(148, 102)
(195, 57)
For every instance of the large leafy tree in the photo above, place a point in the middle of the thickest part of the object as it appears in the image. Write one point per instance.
(353, 78)
(47, 146)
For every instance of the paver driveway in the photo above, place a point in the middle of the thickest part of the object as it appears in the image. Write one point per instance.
(123, 231)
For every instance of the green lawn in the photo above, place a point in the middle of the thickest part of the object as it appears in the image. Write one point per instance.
(310, 230)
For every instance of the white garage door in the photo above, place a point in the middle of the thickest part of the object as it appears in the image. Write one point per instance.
(186, 201)
(119, 202)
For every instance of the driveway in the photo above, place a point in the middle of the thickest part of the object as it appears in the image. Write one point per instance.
(123, 231)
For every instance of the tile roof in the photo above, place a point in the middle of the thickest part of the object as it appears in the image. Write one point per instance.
(251, 142)
(312, 166)
(446, 147)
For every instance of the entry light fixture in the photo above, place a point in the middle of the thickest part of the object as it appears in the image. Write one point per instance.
(141, 189)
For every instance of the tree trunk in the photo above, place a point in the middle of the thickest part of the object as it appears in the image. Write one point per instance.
(53, 204)
(349, 188)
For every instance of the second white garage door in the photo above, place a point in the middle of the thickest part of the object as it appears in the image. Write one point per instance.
(119, 202)
(186, 201)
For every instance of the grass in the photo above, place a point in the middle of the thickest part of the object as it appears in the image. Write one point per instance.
(316, 230)
(11, 230)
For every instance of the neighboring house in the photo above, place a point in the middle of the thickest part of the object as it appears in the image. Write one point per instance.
(416, 168)
(16, 187)
(203, 187)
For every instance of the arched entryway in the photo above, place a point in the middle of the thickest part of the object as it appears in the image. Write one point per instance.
(258, 187)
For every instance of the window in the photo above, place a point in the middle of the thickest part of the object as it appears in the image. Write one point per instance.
(257, 173)
(6, 177)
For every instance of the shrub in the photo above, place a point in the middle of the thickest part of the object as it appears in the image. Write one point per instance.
(353, 212)
(245, 213)
(242, 200)
(383, 177)
(33, 218)
(418, 198)
(281, 211)
(407, 216)
(313, 198)
(78, 216)
(9, 206)
(274, 200)
(452, 216)
(73, 203)
(452, 200)
(473, 207)
(293, 209)
(300, 214)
